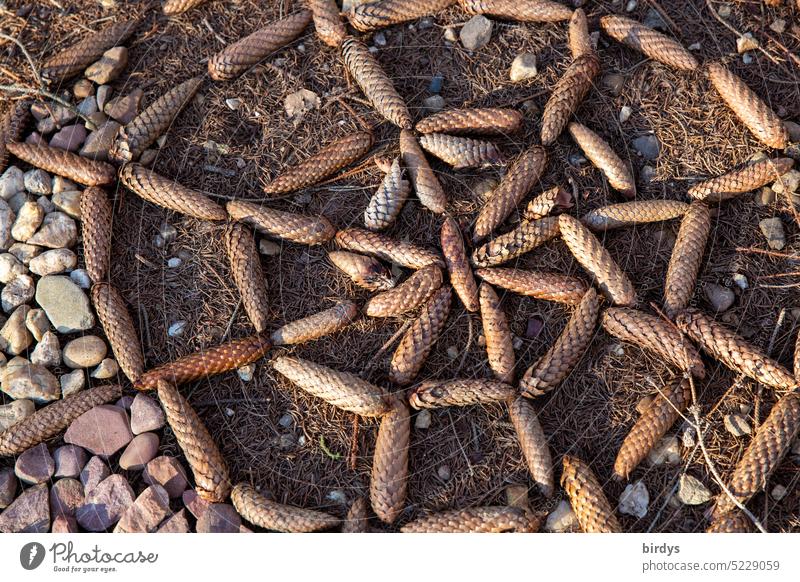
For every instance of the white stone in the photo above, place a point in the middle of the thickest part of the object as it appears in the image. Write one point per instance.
(17, 292)
(423, 419)
(778, 492)
(38, 182)
(10, 268)
(625, 113)
(29, 218)
(246, 372)
(7, 218)
(740, 281)
(174, 262)
(772, 229)
(233, 104)
(692, 492)
(58, 231)
(561, 519)
(11, 182)
(523, 67)
(176, 329)
(666, 452)
(778, 25)
(634, 500)
(14, 336)
(37, 323)
(108, 368)
(61, 184)
(72, 382)
(12, 413)
(69, 202)
(47, 352)
(66, 305)
(81, 278)
(746, 43)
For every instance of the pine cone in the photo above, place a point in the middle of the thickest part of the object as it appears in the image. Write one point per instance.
(387, 487)
(655, 45)
(426, 184)
(499, 342)
(299, 228)
(245, 264)
(687, 254)
(580, 43)
(461, 152)
(546, 202)
(64, 163)
(742, 180)
(601, 155)
(488, 121)
(591, 507)
(260, 511)
(385, 205)
(526, 237)
(634, 212)
(455, 255)
(357, 520)
(567, 95)
(797, 358)
(381, 246)
(120, 331)
(733, 522)
(12, 125)
(327, 22)
(519, 10)
(459, 392)
(537, 284)
(408, 295)
(533, 443)
(365, 272)
(317, 325)
(489, 519)
(97, 217)
(172, 7)
(383, 13)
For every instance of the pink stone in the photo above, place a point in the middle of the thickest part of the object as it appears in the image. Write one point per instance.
(29, 513)
(103, 430)
(139, 452)
(35, 465)
(167, 472)
(105, 504)
(66, 496)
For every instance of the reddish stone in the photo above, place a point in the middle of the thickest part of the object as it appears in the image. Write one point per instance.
(139, 452)
(219, 518)
(146, 414)
(29, 513)
(149, 509)
(105, 504)
(70, 460)
(66, 496)
(196, 505)
(103, 430)
(167, 472)
(175, 524)
(64, 524)
(93, 472)
(35, 465)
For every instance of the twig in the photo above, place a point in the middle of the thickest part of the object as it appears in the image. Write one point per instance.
(372, 361)
(27, 56)
(354, 444)
(766, 252)
(52, 96)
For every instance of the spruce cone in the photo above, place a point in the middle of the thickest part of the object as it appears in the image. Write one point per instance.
(687, 254)
(522, 175)
(601, 155)
(357, 520)
(374, 82)
(591, 507)
(172, 7)
(579, 41)
(546, 202)
(526, 237)
(64, 163)
(634, 212)
(327, 22)
(533, 443)
(417, 343)
(260, 511)
(733, 351)
(387, 487)
(317, 325)
(460, 152)
(327, 161)
(797, 358)
(120, 331)
(537, 284)
(519, 10)
(426, 184)
(559, 360)
(499, 341)
(12, 125)
(365, 272)
(653, 424)
(489, 121)
(733, 522)
(163, 192)
(236, 58)
(339, 389)
(372, 243)
(383, 13)
(459, 392)
(489, 519)
(212, 481)
(408, 295)
(96, 216)
(387, 202)
(655, 45)
(742, 180)
(50, 420)
(567, 95)
(299, 228)
(245, 264)
(455, 255)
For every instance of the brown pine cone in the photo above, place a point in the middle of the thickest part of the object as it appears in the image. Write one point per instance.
(172, 7)
(537, 284)
(499, 341)
(533, 443)
(236, 58)
(212, 481)
(591, 507)
(797, 358)
(733, 351)
(64, 163)
(520, 178)
(733, 522)
(567, 95)
(327, 161)
(317, 325)
(459, 392)
(383, 247)
(653, 424)
(408, 295)
(687, 254)
(772, 441)
(655, 45)
(50, 420)
(97, 217)
(163, 192)
(260, 511)
(374, 82)
(634, 212)
(383, 13)
(357, 520)
(526, 237)
(426, 184)
(151, 123)
(455, 255)
(742, 180)
(593, 256)
(120, 331)
(489, 519)
(12, 125)
(385, 205)
(748, 107)
(364, 271)
(208, 362)
(561, 358)
(339, 389)
(488, 121)
(601, 155)
(461, 152)
(580, 42)
(245, 264)
(417, 342)
(519, 10)
(299, 228)
(387, 487)
(654, 334)
(327, 22)
(546, 202)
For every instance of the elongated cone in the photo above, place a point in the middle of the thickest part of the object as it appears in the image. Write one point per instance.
(383, 13)
(212, 481)
(742, 180)
(418, 341)
(488, 121)
(687, 254)
(327, 161)
(357, 520)
(533, 444)
(594, 257)
(526, 237)
(172, 7)
(655, 45)
(520, 178)
(653, 424)
(734, 522)
(378, 245)
(460, 152)
(151, 123)
(387, 487)
(327, 22)
(11, 126)
(459, 392)
(748, 107)
(601, 155)
(248, 276)
(374, 82)
(64, 163)
(385, 205)
(595, 514)
(96, 216)
(579, 41)
(50, 420)
(519, 10)
(263, 512)
(499, 341)
(365, 272)
(120, 330)
(567, 95)
(426, 184)
(408, 295)
(236, 58)
(562, 356)
(166, 193)
(549, 200)
(654, 334)
(488, 519)
(772, 441)
(208, 362)
(317, 325)
(732, 350)
(455, 255)
(537, 284)
(797, 358)
(74, 59)
(339, 389)
(299, 228)
(634, 212)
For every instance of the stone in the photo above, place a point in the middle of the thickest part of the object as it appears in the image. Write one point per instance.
(125, 107)
(737, 425)
(268, 248)
(196, 505)
(148, 157)
(233, 104)
(17, 292)
(149, 509)
(46, 204)
(69, 461)
(745, 43)
(66, 305)
(84, 352)
(18, 200)
(631, 5)
(140, 451)
(647, 146)
(740, 281)
(688, 437)
(69, 203)
(57, 231)
(450, 34)
(666, 452)
(7, 218)
(23, 379)
(99, 142)
(423, 420)
(299, 103)
(53, 262)
(788, 182)
(47, 352)
(634, 500)
(109, 67)
(25, 253)
(82, 88)
(561, 519)
(766, 196)
(81, 278)
(167, 472)
(35, 465)
(793, 129)
(772, 229)
(614, 82)
(433, 104)
(177, 329)
(219, 518)
(14, 336)
(105, 504)
(10, 268)
(64, 524)
(8, 486)
(62, 184)
(88, 106)
(625, 113)
(11, 182)
(146, 414)
(12, 413)
(778, 492)
(66, 496)
(476, 33)
(653, 20)
(103, 95)
(28, 513)
(72, 383)
(177, 523)
(125, 402)
(721, 298)
(692, 492)
(245, 373)
(69, 138)
(102, 430)
(93, 472)
(174, 262)
(523, 67)
(29, 218)
(436, 84)
(36, 139)
(106, 369)
(443, 473)
(38, 182)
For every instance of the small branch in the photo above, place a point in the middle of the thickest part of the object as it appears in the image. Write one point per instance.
(27, 56)
(775, 254)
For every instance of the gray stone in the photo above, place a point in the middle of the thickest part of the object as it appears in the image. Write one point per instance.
(66, 305)
(653, 20)
(38, 182)
(17, 292)
(625, 113)
(233, 104)
(35, 465)
(11, 182)
(47, 352)
(175, 524)
(84, 352)
(12, 413)
(766, 196)
(81, 278)
(29, 218)
(57, 231)
(177, 329)
(10, 268)
(103, 94)
(692, 492)
(53, 262)
(69, 138)
(772, 229)
(125, 107)
(62, 184)
(106, 369)
(721, 298)
(29, 513)
(299, 103)
(219, 518)
(99, 142)
(140, 451)
(267, 247)
(167, 472)
(476, 33)
(561, 519)
(523, 67)
(647, 146)
(146, 414)
(17, 201)
(88, 106)
(423, 420)
(72, 383)
(23, 379)
(109, 67)
(433, 104)
(69, 461)
(94, 472)
(737, 425)
(614, 82)
(7, 218)
(105, 504)
(66, 496)
(149, 509)
(778, 492)
(8, 486)
(14, 336)
(46, 204)
(103, 430)
(789, 182)
(634, 500)
(148, 157)
(24, 252)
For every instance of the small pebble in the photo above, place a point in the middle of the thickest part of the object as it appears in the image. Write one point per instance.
(423, 420)
(476, 33)
(246, 372)
(692, 492)
(106, 369)
(81, 278)
(721, 298)
(523, 68)
(634, 500)
(233, 104)
(176, 329)
(746, 43)
(433, 104)
(772, 229)
(443, 472)
(778, 492)
(72, 383)
(625, 113)
(379, 39)
(740, 281)
(737, 425)
(174, 262)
